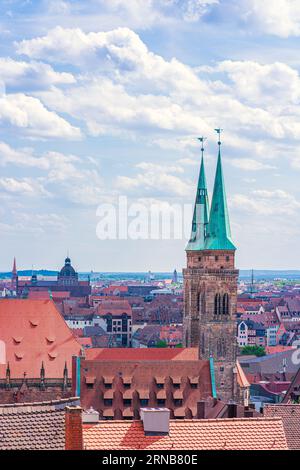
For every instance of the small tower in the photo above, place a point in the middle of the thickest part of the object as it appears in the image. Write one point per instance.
(210, 284)
(42, 376)
(65, 377)
(14, 276)
(175, 277)
(7, 376)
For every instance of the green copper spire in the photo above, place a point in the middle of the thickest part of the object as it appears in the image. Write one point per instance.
(218, 232)
(201, 208)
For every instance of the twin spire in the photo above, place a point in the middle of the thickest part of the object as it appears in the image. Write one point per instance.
(210, 232)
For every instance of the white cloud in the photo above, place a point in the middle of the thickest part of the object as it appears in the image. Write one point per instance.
(156, 179)
(30, 115)
(24, 186)
(248, 164)
(256, 83)
(26, 75)
(68, 177)
(280, 17)
(266, 203)
(125, 88)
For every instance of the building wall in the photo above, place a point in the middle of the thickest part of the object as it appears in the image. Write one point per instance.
(211, 273)
(165, 383)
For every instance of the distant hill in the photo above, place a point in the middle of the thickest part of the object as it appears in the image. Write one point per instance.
(245, 274)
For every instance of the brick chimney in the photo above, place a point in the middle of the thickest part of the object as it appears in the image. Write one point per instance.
(201, 409)
(73, 428)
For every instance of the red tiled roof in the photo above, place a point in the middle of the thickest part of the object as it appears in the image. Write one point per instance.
(115, 307)
(39, 295)
(222, 434)
(34, 426)
(33, 322)
(142, 354)
(277, 349)
(85, 341)
(290, 415)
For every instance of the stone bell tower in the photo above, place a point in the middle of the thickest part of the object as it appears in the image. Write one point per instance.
(210, 283)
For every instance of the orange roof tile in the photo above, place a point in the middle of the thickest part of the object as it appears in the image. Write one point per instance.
(25, 326)
(142, 354)
(290, 415)
(222, 434)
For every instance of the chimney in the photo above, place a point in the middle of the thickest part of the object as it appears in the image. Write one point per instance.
(232, 410)
(156, 421)
(90, 416)
(73, 428)
(201, 409)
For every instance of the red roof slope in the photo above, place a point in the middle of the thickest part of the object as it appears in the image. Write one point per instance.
(222, 434)
(32, 332)
(290, 415)
(114, 307)
(142, 354)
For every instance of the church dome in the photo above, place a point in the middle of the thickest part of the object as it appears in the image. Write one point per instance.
(67, 270)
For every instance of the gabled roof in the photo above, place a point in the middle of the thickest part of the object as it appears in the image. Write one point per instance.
(215, 434)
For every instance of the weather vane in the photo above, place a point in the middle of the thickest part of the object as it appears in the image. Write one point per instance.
(202, 139)
(219, 130)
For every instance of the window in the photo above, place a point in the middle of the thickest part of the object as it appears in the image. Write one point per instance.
(216, 258)
(225, 309)
(108, 402)
(178, 402)
(217, 310)
(227, 258)
(160, 386)
(144, 402)
(127, 401)
(176, 386)
(161, 401)
(194, 386)
(90, 385)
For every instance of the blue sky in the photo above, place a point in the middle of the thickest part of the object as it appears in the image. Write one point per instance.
(106, 98)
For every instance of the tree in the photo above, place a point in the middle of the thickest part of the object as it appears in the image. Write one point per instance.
(256, 350)
(161, 344)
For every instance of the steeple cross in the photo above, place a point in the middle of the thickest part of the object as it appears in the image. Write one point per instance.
(202, 139)
(218, 131)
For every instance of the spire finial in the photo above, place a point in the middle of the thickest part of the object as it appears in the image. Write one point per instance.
(202, 140)
(218, 131)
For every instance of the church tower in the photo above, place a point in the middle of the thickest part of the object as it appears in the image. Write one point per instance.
(210, 283)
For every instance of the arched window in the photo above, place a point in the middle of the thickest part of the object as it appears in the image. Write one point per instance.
(221, 347)
(203, 343)
(199, 302)
(225, 306)
(217, 304)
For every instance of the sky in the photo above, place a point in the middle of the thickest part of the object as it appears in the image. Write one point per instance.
(105, 99)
